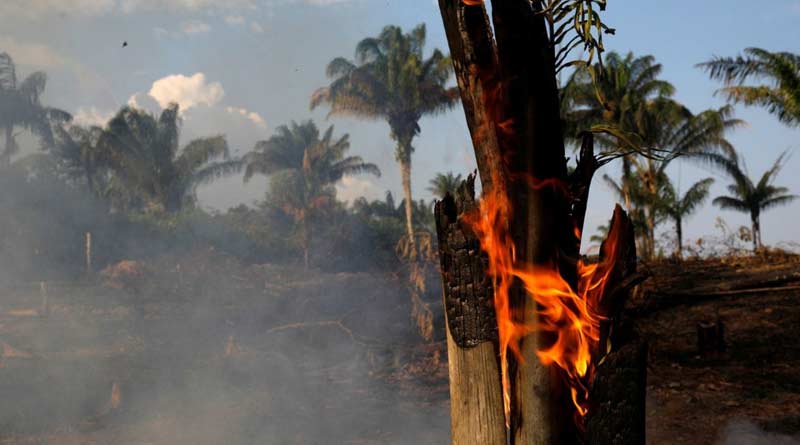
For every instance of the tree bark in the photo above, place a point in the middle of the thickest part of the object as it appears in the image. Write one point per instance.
(512, 105)
(306, 241)
(5, 156)
(476, 403)
(405, 172)
(540, 226)
(618, 416)
(756, 233)
(679, 233)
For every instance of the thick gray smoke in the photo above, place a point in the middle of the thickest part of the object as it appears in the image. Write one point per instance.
(193, 345)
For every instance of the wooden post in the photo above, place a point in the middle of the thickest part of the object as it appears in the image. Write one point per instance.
(476, 401)
(45, 309)
(88, 252)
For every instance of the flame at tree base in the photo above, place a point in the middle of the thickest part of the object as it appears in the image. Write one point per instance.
(571, 316)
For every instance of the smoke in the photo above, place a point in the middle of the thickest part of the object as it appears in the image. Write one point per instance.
(745, 432)
(209, 345)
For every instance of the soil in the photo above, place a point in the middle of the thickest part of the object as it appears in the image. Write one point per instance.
(206, 350)
(693, 398)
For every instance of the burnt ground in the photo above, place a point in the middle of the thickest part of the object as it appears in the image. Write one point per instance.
(216, 352)
(691, 398)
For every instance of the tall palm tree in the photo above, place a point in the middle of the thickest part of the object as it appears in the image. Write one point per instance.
(304, 169)
(444, 183)
(678, 207)
(781, 96)
(749, 197)
(391, 80)
(20, 106)
(150, 169)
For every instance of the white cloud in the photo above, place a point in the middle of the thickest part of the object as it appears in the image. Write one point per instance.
(234, 20)
(187, 92)
(195, 27)
(251, 115)
(256, 27)
(352, 187)
(129, 6)
(91, 116)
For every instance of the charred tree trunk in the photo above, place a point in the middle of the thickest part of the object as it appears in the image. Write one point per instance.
(476, 396)
(618, 391)
(511, 101)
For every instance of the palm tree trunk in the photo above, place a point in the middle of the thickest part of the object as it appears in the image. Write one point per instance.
(679, 232)
(626, 173)
(5, 156)
(306, 242)
(756, 232)
(405, 172)
(651, 232)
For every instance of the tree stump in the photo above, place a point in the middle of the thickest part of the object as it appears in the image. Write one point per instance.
(710, 337)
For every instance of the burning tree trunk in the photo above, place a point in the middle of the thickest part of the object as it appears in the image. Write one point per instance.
(546, 301)
(475, 385)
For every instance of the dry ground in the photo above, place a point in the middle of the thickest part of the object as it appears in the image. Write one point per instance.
(216, 352)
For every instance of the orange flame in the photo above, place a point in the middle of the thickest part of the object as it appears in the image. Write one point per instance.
(570, 315)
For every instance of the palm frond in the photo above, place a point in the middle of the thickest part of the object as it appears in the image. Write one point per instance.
(727, 202)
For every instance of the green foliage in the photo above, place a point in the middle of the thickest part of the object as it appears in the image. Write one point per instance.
(639, 122)
(21, 107)
(678, 207)
(781, 97)
(749, 197)
(444, 183)
(391, 80)
(149, 169)
(304, 168)
(574, 24)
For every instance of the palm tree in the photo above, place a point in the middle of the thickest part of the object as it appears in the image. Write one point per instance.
(678, 207)
(752, 198)
(304, 169)
(391, 80)
(627, 95)
(20, 106)
(443, 184)
(150, 170)
(79, 151)
(668, 131)
(617, 94)
(780, 97)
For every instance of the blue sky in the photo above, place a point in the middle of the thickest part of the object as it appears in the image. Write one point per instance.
(244, 67)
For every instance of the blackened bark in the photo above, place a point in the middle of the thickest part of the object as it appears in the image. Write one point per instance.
(468, 292)
(617, 395)
(476, 403)
(472, 49)
(617, 415)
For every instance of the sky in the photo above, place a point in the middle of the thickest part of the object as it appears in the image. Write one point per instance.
(244, 67)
